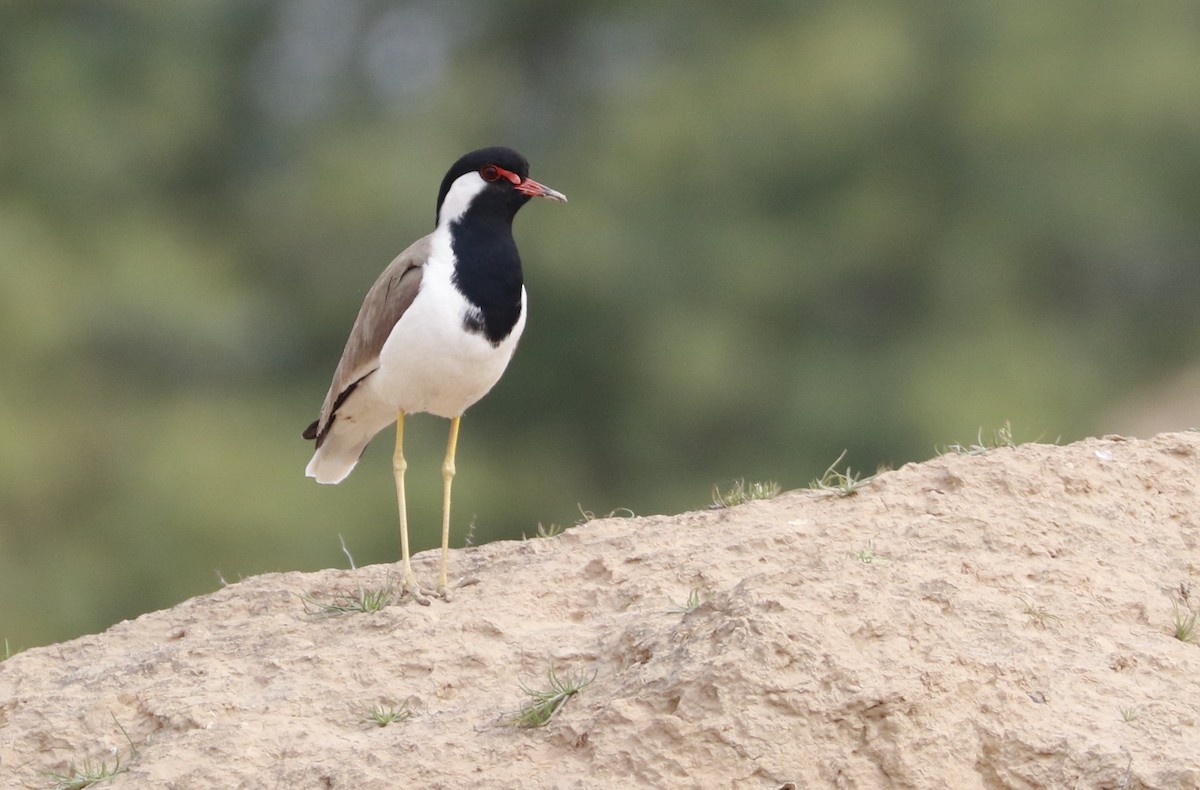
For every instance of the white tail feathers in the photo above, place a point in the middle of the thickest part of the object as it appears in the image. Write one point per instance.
(336, 458)
(325, 469)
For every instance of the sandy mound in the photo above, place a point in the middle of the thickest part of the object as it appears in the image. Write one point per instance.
(997, 620)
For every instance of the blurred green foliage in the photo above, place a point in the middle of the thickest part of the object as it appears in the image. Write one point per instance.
(794, 228)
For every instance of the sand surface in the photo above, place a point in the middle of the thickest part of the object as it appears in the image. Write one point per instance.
(999, 620)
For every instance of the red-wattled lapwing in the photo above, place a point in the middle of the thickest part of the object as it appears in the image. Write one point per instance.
(435, 331)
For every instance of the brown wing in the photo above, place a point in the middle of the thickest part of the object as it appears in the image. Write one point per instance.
(387, 300)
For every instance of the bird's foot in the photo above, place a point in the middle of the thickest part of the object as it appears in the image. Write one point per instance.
(412, 588)
(443, 589)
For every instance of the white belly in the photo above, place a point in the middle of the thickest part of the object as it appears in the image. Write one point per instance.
(430, 364)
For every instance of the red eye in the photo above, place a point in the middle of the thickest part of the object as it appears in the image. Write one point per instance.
(490, 173)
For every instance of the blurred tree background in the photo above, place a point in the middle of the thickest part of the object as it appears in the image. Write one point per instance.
(794, 228)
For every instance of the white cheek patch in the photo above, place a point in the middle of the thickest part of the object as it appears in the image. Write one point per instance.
(462, 192)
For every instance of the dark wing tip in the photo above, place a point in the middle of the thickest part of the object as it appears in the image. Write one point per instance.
(311, 431)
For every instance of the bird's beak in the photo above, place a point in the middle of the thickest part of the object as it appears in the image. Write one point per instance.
(534, 189)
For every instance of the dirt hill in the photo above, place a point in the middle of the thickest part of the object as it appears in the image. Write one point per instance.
(1005, 619)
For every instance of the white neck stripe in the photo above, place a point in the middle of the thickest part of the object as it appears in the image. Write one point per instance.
(458, 198)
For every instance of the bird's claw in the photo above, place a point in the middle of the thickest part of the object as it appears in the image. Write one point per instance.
(412, 588)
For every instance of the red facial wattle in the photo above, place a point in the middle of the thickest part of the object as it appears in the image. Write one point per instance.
(526, 186)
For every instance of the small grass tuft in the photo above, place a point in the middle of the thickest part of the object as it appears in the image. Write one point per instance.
(1038, 615)
(1129, 713)
(840, 483)
(362, 602)
(543, 705)
(740, 491)
(1001, 437)
(1184, 621)
(586, 515)
(383, 715)
(546, 532)
(693, 600)
(79, 777)
(868, 556)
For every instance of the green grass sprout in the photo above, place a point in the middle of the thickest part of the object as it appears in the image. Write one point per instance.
(740, 491)
(383, 715)
(544, 705)
(841, 483)
(363, 601)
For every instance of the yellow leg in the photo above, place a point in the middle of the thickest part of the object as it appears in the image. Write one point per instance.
(399, 465)
(447, 479)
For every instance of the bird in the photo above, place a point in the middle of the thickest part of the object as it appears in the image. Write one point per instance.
(435, 332)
